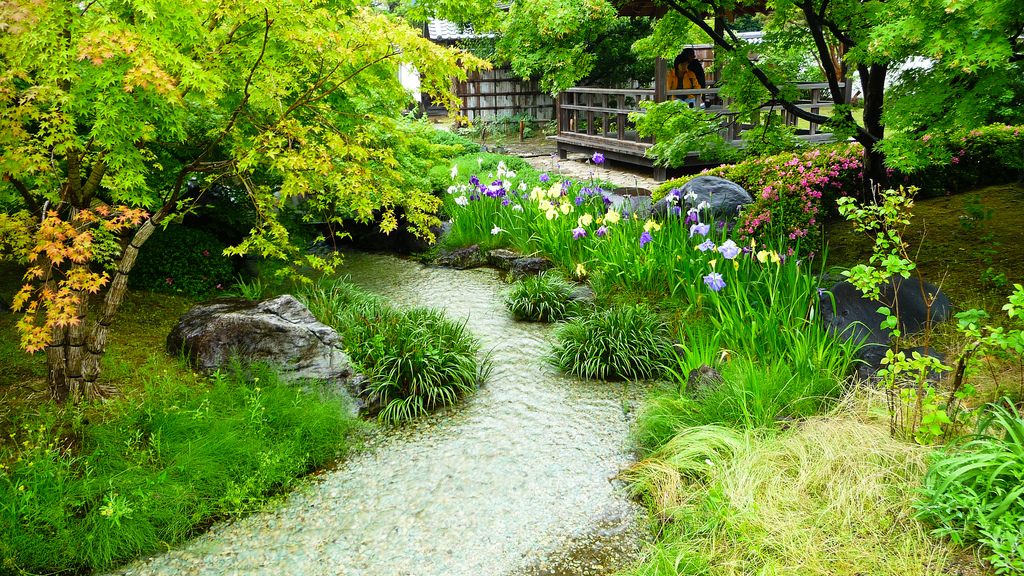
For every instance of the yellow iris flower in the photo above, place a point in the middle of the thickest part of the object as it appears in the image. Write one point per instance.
(651, 226)
(612, 217)
(585, 220)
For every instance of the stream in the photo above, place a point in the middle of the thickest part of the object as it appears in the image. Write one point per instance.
(516, 479)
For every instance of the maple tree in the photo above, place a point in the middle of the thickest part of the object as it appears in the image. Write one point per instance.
(116, 116)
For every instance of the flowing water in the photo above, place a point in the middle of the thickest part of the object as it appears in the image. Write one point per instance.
(518, 479)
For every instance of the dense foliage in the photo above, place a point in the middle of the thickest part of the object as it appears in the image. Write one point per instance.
(973, 490)
(185, 261)
(87, 493)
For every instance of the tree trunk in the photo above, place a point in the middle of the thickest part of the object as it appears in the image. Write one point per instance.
(73, 358)
(872, 80)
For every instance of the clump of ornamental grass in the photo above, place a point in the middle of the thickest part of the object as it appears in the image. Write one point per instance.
(542, 298)
(973, 492)
(831, 495)
(628, 342)
(750, 395)
(148, 470)
(416, 360)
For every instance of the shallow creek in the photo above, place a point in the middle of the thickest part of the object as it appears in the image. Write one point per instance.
(515, 480)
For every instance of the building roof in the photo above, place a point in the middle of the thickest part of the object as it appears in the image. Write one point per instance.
(446, 31)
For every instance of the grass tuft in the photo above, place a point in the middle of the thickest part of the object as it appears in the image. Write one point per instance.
(831, 495)
(629, 342)
(417, 360)
(543, 298)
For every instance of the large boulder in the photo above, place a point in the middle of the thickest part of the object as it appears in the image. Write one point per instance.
(848, 314)
(724, 198)
(279, 331)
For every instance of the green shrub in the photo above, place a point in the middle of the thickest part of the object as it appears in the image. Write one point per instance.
(542, 298)
(183, 260)
(148, 472)
(416, 360)
(974, 491)
(484, 165)
(627, 342)
(457, 144)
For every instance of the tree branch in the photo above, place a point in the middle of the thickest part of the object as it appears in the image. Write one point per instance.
(26, 195)
(814, 23)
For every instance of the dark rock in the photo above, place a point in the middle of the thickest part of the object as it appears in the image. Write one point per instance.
(279, 331)
(528, 266)
(856, 318)
(463, 258)
(702, 379)
(502, 259)
(725, 198)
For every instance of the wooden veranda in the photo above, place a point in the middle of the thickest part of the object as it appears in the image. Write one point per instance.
(597, 119)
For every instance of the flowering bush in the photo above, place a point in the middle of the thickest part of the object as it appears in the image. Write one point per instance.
(940, 163)
(792, 191)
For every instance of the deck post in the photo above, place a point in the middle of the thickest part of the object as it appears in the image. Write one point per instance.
(660, 80)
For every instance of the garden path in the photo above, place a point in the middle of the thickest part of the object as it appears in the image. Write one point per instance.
(517, 480)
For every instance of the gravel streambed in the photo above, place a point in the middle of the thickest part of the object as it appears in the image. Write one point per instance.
(517, 480)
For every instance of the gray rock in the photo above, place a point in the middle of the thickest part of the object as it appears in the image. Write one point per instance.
(724, 197)
(629, 205)
(279, 331)
(502, 259)
(529, 266)
(463, 258)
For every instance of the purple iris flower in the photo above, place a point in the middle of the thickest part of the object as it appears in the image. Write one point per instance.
(474, 197)
(474, 180)
(578, 233)
(645, 238)
(607, 200)
(706, 245)
(579, 200)
(677, 210)
(544, 178)
(729, 250)
(601, 231)
(691, 217)
(505, 201)
(675, 193)
(714, 281)
(699, 228)
(598, 158)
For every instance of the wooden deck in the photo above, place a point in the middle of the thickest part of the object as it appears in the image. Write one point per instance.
(597, 120)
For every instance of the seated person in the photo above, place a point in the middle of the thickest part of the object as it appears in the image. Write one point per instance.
(682, 78)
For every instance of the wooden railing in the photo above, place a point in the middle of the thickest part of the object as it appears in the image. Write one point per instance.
(597, 120)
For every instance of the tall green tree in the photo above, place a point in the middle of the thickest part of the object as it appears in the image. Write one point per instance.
(108, 110)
